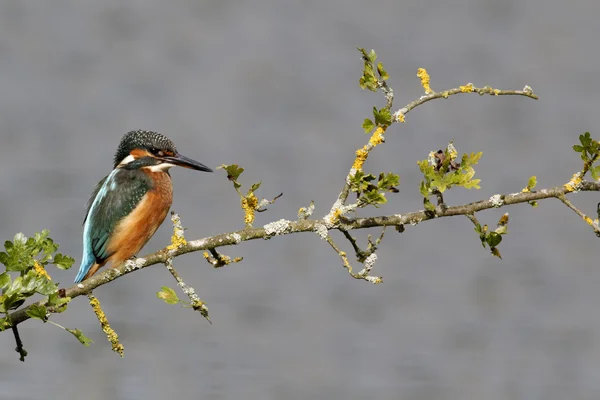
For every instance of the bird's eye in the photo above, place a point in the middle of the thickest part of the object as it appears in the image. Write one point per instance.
(157, 152)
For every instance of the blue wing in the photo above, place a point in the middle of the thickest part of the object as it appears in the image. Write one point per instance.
(114, 198)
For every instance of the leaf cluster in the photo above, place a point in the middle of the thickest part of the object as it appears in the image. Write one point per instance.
(590, 151)
(368, 80)
(445, 173)
(371, 190)
(493, 238)
(29, 257)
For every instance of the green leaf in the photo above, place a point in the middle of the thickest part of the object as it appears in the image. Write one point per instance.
(233, 171)
(5, 281)
(424, 189)
(81, 337)
(531, 184)
(428, 205)
(372, 56)
(168, 295)
(368, 125)
(388, 182)
(37, 311)
(382, 73)
(578, 148)
(494, 239)
(20, 239)
(254, 187)
(62, 261)
(373, 197)
(10, 302)
(585, 139)
(595, 172)
(58, 304)
(382, 117)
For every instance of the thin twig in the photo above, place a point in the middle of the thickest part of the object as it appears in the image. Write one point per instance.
(189, 291)
(577, 211)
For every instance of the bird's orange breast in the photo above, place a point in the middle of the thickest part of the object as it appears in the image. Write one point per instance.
(134, 231)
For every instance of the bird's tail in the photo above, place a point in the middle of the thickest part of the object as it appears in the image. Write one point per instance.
(88, 267)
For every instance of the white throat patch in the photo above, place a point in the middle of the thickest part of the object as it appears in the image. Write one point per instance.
(160, 167)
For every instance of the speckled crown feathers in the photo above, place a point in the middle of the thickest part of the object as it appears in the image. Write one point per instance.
(140, 139)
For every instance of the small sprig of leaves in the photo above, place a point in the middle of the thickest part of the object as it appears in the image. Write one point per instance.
(441, 172)
(531, 184)
(382, 118)
(371, 192)
(169, 296)
(368, 80)
(590, 152)
(492, 238)
(29, 257)
(249, 202)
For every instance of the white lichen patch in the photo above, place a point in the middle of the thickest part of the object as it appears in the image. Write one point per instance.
(321, 230)
(497, 200)
(527, 89)
(263, 203)
(132, 265)
(277, 228)
(373, 279)
(236, 238)
(370, 262)
(80, 285)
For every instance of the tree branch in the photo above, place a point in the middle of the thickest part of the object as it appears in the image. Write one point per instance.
(319, 226)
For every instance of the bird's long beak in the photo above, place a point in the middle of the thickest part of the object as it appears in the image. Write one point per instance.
(183, 161)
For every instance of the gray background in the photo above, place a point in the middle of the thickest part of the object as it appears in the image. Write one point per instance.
(272, 85)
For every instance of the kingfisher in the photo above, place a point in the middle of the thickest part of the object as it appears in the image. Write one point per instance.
(129, 204)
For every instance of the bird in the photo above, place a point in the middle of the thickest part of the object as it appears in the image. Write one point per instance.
(128, 205)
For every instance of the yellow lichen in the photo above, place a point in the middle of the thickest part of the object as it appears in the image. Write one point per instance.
(361, 157)
(425, 80)
(445, 94)
(335, 216)
(589, 221)
(377, 137)
(39, 269)
(496, 92)
(177, 240)
(466, 88)
(574, 183)
(525, 190)
(111, 335)
(400, 117)
(249, 205)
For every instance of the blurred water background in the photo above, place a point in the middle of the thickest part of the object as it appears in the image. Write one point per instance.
(273, 86)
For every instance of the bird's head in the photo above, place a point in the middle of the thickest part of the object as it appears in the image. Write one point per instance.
(147, 149)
